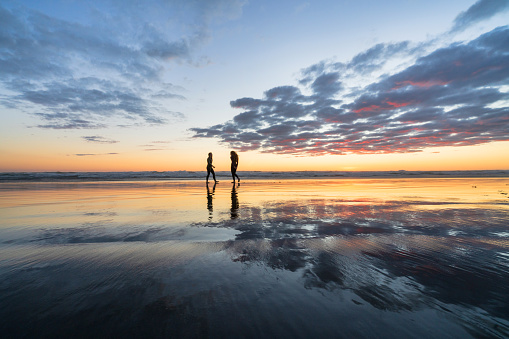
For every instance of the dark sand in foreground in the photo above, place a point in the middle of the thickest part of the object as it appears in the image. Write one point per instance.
(283, 258)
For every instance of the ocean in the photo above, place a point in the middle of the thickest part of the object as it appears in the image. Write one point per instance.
(173, 175)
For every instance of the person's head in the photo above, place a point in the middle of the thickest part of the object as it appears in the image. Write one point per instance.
(233, 153)
(210, 155)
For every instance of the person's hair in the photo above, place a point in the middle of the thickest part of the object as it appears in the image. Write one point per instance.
(210, 154)
(233, 152)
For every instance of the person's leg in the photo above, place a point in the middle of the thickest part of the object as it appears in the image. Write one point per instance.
(234, 173)
(208, 174)
(213, 175)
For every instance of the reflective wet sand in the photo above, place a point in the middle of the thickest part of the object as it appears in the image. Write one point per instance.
(283, 258)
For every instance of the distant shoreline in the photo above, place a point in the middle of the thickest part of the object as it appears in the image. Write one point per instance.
(247, 175)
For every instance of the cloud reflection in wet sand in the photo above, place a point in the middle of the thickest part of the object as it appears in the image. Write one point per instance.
(281, 260)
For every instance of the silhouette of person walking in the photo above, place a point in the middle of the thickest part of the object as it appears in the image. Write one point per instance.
(210, 169)
(235, 163)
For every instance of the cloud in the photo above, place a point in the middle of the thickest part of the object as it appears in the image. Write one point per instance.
(159, 145)
(99, 139)
(92, 154)
(375, 57)
(92, 73)
(67, 121)
(481, 10)
(450, 96)
(93, 101)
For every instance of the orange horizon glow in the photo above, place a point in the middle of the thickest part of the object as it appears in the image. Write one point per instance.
(478, 157)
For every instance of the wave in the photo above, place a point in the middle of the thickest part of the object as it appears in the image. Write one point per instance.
(189, 175)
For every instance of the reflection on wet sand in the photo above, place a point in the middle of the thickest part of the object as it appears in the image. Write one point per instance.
(394, 273)
(210, 197)
(235, 203)
(413, 258)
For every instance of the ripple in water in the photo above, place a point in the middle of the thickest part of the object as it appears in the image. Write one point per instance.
(341, 258)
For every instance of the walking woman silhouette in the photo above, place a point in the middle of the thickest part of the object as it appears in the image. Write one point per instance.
(210, 168)
(235, 163)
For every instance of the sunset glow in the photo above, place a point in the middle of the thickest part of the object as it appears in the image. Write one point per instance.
(107, 87)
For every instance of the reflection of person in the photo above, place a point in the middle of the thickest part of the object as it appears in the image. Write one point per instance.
(210, 169)
(235, 203)
(235, 163)
(210, 197)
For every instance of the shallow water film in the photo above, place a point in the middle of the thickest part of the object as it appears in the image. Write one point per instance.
(352, 258)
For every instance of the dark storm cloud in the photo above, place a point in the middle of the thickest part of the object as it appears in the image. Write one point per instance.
(95, 72)
(481, 10)
(451, 96)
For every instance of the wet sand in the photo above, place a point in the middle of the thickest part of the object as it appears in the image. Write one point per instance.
(282, 258)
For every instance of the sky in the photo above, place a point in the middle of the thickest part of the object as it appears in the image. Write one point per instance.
(351, 85)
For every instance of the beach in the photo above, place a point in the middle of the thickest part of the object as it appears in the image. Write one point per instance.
(325, 257)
